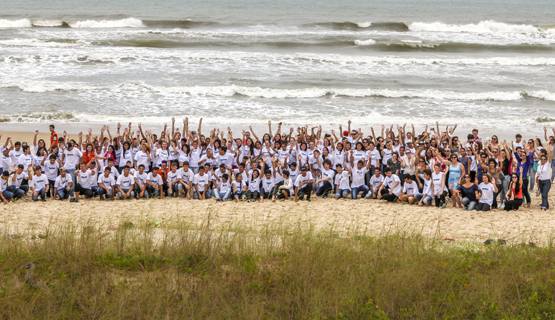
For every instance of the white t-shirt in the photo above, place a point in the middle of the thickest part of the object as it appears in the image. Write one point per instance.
(226, 159)
(72, 158)
(173, 176)
(224, 186)
(84, 179)
(51, 170)
(342, 180)
(62, 182)
(201, 181)
(390, 183)
(142, 158)
(487, 193)
(375, 157)
(254, 184)
(358, 177)
(26, 160)
(300, 179)
(437, 182)
(427, 190)
(39, 183)
(125, 183)
(267, 184)
(239, 185)
(328, 174)
(410, 188)
(19, 179)
(375, 182)
(142, 178)
(14, 156)
(107, 182)
(155, 180)
(187, 176)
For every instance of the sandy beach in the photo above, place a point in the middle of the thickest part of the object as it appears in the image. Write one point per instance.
(344, 217)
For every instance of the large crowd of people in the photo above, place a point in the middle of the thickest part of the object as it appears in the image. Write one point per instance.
(424, 168)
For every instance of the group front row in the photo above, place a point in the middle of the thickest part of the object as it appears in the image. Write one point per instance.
(264, 179)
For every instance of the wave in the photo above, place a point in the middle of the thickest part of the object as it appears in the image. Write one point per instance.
(488, 26)
(384, 26)
(278, 93)
(363, 44)
(121, 23)
(257, 57)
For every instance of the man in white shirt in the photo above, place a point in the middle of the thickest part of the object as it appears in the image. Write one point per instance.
(26, 159)
(410, 188)
(201, 183)
(357, 174)
(106, 185)
(187, 178)
(5, 193)
(376, 182)
(391, 187)
(224, 158)
(39, 185)
(154, 184)
(342, 182)
(175, 184)
(84, 177)
(17, 187)
(125, 184)
(140, 182)
(303, 185)
(51, 167)
(63, 187)
(15, 154)
(70, 159)
(222, 188)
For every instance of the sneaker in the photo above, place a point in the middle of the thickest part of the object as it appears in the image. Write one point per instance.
(325, 196)
(538, 192)
(76, 200)
(72, 200)
(502, 206)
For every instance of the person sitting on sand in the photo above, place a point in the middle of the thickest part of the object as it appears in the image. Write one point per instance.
(410, 188)
(391, 187)
(303, 185)
(427, 190)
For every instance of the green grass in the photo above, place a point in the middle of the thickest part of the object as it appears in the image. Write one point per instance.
(191, 272)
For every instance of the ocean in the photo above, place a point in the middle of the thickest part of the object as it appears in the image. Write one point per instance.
(486, 64)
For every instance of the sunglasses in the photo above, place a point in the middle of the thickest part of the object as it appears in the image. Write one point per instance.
(514, 177)
(467, 177)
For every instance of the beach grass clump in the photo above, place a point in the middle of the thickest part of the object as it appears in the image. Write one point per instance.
(179, 270)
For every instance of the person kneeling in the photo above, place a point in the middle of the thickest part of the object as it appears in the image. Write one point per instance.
(303, 185)
(391, 187)
(409, 190)
(39, 185)
(223, 188)
(342, 182)
(125, 184)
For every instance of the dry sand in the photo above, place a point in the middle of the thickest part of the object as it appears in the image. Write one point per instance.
(341, 217)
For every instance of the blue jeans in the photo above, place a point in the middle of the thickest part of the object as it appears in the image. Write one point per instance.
(468, 205)
(324, 189)
(553, 169)
(40, 193)
(64, 193)
(545, 186)
(17, 192)
(208, 194)
(427, 199)
(363, 188)
(222, 195)
(131, 194)
(342, 193)
(103, 193)
(7, 194)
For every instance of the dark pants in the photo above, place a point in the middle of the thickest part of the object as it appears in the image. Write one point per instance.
(86, 192)
(513, 204)
(50, 192)
(152, 191)
(252, 195)
(440, 200)
(324, 189)
(545, 185)
(525, 191)
(482, 207)
(306, 191)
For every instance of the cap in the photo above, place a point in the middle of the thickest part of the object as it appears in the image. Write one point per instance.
(345, 133)
(304, 168)
(63, 169)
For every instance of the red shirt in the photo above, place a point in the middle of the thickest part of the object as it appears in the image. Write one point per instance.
(54, 139)
(163, 175)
